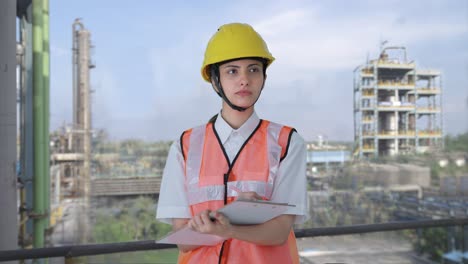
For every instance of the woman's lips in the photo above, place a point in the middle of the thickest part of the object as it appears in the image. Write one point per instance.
(244, 93)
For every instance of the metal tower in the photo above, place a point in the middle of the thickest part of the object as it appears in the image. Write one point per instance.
(82, 111)
(397, 107)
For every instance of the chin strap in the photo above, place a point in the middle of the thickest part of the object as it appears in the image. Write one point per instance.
(215, 75)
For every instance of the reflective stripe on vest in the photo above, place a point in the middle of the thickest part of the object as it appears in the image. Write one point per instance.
(198, 194)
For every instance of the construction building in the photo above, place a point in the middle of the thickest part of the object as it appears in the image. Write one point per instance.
(397, 107)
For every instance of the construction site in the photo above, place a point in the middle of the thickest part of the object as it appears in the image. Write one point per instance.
(397, 106)
(71, 185)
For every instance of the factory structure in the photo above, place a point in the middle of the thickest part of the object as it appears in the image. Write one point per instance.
(64, 167)
(71, 148)
(397, 106)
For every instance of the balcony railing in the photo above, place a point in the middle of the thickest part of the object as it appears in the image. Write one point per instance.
(429, 91)
(396, 84)
(403, 133)
(428, 110)
(98, 249)
(411, 133)
(395, 64)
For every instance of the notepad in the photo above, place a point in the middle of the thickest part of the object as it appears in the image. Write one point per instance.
(240, 212)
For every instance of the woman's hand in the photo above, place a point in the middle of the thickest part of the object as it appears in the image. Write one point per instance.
(272, 232)
(209, 222)
(251, 196)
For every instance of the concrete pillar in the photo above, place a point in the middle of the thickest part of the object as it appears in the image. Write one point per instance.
(8, 199)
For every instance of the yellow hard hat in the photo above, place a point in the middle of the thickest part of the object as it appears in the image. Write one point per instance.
(233, 41)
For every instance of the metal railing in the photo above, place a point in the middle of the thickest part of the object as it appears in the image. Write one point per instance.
(98, 249)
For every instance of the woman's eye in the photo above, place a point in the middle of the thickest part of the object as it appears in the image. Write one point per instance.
(254, 69)
(232, 71)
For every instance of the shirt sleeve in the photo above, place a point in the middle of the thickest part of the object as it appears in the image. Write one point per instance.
(291, 183)
(173, 201)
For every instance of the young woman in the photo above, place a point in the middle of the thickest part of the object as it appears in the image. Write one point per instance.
(236, 155)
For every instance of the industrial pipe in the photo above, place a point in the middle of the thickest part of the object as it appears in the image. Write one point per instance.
(39, 211)
(46, 98)
(8, 182)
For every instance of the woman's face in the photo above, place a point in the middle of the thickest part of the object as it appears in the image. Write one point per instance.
(242, 81)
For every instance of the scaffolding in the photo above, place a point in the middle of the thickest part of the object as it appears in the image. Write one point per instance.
(397, 107)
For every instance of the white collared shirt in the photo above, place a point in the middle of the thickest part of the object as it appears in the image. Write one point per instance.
(233, 139)
(290, 185)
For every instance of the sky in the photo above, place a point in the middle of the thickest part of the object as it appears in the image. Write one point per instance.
(147, 83)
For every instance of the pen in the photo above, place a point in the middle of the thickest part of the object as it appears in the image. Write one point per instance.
(212, 217)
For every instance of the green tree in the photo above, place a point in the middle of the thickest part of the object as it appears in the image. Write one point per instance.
(433, 242)
(457, 143)
(131, 221)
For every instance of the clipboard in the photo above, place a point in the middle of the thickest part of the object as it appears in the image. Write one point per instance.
(240, 212)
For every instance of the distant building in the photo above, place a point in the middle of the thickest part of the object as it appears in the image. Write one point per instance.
(397, 107)
(323, 156)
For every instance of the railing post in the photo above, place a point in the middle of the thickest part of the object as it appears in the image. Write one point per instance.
(465, 244)
(451, 239)
(418, 242)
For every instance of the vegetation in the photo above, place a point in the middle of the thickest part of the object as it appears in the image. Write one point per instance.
(129, 158)
(457, 143)
(131, 220)
(432, 242)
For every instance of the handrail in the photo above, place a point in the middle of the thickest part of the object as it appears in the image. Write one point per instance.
(381, 227)
(98, 249)
(81, 250)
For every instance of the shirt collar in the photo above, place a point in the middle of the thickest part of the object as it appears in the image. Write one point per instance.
(224, 130)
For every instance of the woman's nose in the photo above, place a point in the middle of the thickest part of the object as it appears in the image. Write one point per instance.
(244, 79)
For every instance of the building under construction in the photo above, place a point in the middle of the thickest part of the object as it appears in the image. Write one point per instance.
(397, 107)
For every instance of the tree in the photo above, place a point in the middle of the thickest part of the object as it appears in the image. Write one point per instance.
(132, 220)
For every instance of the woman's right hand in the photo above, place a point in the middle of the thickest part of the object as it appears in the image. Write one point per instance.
(209, 222)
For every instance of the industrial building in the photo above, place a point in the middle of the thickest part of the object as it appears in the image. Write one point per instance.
(397, 106)
(71, 146)
(50, 166)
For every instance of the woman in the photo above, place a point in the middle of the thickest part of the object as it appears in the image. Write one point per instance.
(236, 155)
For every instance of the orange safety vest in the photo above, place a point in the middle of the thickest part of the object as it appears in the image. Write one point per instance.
(208, 175)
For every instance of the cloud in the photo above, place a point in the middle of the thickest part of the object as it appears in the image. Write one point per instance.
(300, 39)
(155, 90)
(282, 23)
(316, 54)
